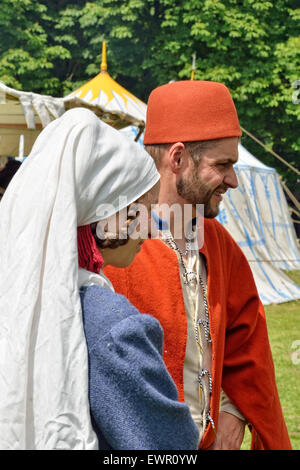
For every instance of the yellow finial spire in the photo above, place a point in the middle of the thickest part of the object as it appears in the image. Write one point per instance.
(103, 63)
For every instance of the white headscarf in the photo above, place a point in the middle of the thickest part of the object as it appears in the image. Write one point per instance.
(77, 164)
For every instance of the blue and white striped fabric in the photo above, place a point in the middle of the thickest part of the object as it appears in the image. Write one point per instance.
(257, 216)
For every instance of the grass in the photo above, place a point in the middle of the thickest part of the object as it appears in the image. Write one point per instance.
(284, 330)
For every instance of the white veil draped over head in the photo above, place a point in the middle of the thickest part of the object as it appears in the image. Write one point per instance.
(77, 164)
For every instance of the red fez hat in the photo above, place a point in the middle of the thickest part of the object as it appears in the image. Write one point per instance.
(189, 111)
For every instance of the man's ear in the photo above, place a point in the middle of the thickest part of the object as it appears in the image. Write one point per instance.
(176, 153)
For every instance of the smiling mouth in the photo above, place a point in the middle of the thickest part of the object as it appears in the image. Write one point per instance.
(218, 195)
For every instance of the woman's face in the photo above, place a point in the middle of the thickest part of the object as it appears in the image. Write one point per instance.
(123, 255)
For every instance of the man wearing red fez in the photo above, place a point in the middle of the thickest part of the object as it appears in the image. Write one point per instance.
(216, 343)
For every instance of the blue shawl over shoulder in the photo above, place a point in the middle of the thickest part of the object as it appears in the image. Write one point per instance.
(133, 399)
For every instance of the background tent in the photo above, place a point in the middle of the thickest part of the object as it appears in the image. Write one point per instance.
(104, 91)
(24, 114)
(256, 214)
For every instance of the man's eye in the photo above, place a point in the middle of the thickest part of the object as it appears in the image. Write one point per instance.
(224, 164)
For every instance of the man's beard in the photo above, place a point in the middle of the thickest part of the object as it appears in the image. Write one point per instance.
(197, 192)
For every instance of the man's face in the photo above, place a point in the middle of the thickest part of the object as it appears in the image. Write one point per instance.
(206, 181)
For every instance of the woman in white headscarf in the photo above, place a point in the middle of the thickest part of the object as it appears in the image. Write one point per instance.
(76, 165)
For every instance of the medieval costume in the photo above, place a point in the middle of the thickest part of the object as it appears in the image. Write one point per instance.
(241, 357)
(215, 334)
(73, 177)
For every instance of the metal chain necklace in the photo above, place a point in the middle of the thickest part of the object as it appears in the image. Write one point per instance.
(173, 244)
(189, 277)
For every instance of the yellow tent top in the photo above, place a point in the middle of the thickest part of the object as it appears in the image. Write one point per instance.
(104, 91)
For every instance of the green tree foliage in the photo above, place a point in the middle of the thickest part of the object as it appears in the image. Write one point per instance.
(252, 46)
(27, 60)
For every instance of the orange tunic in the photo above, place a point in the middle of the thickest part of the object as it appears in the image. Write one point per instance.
(242, 362)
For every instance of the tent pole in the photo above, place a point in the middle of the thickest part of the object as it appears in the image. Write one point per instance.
(289, 193)
(141, 129)
(271, 151)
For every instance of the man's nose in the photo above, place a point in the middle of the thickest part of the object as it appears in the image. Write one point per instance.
(231, 179)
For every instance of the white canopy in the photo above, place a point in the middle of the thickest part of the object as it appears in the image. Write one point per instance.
(26, 114)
